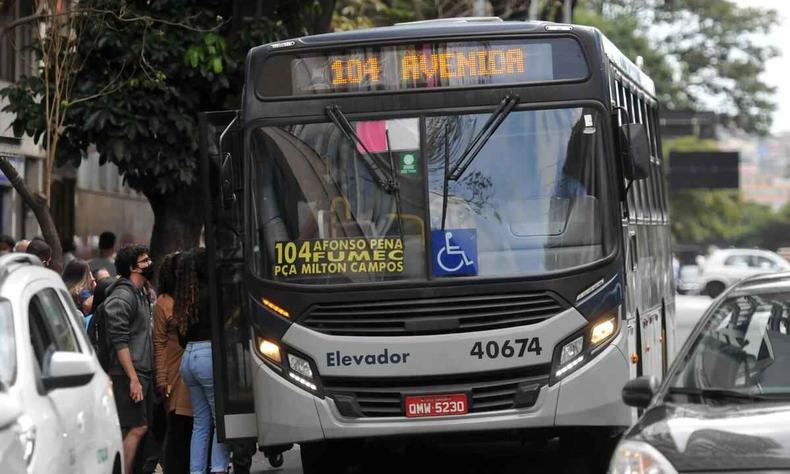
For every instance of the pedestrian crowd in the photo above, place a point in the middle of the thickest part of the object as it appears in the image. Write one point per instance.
(152, 335)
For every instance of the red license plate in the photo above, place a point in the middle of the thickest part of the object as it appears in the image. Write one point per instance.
(436, 405)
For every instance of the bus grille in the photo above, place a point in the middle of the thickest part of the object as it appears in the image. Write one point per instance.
(486, 391)
(446, 315)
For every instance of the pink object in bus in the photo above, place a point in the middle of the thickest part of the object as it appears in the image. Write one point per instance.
(374, 135)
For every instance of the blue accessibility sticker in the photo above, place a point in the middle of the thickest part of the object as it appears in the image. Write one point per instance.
(454, 252)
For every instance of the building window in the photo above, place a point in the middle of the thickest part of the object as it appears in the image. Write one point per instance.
(16, 59)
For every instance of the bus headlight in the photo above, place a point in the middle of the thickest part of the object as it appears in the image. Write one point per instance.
(301, 373)
(296, 368)
(603, 330)
(270, 350)
(300, 366)
(575, 351)
(571, 350)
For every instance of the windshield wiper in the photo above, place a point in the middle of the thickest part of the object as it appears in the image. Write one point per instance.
(724, 394)
(339, 119)
(492, 124)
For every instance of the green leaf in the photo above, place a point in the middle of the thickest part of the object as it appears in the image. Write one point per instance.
(192, 57)
(216, 65)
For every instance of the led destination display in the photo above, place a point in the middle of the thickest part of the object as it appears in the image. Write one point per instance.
(422, 66)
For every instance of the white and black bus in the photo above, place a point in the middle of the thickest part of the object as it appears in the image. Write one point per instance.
(434, 229)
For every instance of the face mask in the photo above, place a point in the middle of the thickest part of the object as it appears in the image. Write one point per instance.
(148, 272)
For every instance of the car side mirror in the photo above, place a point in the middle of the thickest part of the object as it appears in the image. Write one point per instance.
(68, 369)
(636, 151)
(640, 391)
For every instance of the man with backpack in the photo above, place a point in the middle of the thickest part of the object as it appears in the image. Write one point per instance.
(127, 317)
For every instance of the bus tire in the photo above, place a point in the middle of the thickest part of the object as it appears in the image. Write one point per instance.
(714, 288)
(322, 458)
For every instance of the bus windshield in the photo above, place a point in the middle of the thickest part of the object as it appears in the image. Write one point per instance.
(532, 201)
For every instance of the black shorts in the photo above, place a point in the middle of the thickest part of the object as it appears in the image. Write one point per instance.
(132, 414)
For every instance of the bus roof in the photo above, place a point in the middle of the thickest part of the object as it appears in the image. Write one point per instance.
(468, 27)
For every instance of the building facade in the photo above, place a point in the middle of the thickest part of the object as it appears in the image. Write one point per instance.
(84, 201)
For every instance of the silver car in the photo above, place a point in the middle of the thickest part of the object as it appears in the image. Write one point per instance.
(728, 266)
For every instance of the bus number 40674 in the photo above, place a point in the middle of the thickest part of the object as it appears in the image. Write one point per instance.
(506, 349)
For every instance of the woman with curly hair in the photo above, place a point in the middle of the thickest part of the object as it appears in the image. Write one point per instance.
(192, 317)
(80, 282)
(167, 362)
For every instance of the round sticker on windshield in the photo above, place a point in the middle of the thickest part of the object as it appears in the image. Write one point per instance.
(408, 163)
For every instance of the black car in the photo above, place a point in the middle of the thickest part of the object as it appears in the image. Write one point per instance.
(724, 405)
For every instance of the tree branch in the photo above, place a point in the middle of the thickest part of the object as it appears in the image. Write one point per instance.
(151, 19)
(36, 16)
(38, 204)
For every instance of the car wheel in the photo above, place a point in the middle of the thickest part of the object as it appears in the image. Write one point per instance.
(714, 288)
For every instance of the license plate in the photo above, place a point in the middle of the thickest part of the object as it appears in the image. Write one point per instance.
(436, 405)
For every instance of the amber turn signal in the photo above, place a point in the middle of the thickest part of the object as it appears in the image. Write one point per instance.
(274, 307)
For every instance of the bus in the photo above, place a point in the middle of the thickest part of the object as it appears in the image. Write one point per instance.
(436, 230)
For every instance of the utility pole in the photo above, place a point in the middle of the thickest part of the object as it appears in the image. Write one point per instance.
(532, 14)
(480, 8)
(567, 14)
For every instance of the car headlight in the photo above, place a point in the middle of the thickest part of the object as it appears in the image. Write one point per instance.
(636, 457)
(575, 351)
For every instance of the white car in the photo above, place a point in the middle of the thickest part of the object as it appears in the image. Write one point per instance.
(68, 423)
(12, 451)
(728, 266)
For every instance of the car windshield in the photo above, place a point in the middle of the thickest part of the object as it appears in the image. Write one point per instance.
(744, 346)
(7, 344)
(331, 209)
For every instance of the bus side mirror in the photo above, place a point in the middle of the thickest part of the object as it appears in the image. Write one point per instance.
(636, 151)
(226, 179)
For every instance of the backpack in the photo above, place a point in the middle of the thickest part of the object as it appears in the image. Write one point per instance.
(97, 333)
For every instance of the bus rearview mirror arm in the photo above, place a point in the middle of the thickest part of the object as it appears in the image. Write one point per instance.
(228, 196)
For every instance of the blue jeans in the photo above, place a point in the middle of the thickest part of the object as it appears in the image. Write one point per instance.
(197, 372)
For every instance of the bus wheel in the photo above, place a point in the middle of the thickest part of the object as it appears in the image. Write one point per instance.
(714, 288)
(322, 458)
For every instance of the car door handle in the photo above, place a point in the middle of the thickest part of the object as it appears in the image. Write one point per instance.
(81, 422)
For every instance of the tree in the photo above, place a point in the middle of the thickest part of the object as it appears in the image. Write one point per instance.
(546, 10)
(41, 102)
(169, 60)
(711, 58)
(355, 14)
(712, 216)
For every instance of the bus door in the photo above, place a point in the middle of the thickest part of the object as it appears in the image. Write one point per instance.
(221, 153)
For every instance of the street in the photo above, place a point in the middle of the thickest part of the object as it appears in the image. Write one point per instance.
(688, 311)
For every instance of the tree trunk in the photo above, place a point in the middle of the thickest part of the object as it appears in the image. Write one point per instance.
(323, 20)
(178, 221)
(38, 204)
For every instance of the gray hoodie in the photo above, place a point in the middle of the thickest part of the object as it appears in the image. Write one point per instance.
(129, 317)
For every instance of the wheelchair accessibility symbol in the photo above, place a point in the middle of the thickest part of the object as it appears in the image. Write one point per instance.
(454, 252)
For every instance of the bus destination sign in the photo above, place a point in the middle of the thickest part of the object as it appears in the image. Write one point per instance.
(420, 67)
(434, 65)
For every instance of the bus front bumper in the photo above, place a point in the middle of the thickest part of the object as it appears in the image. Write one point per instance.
(589, 397)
